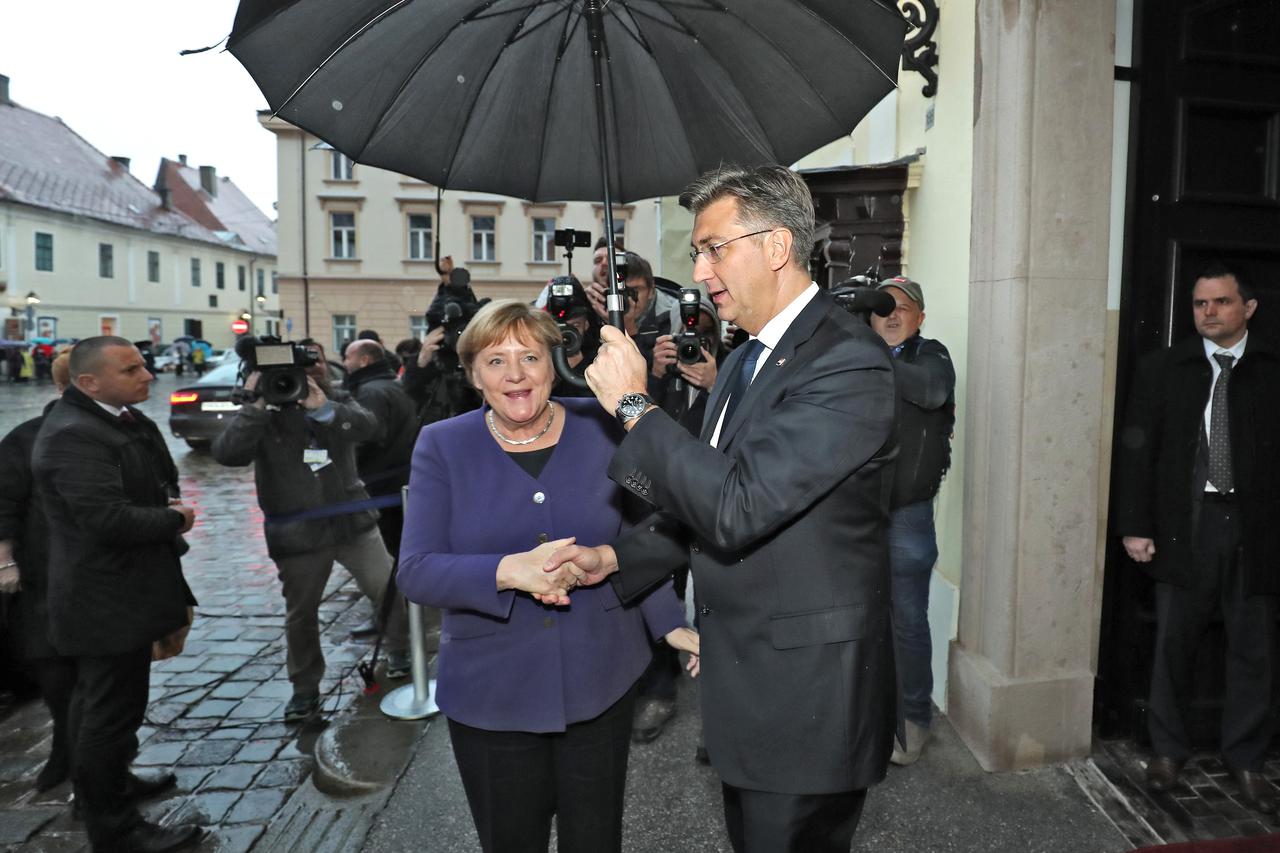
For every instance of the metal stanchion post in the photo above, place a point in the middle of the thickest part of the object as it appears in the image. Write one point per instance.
(413, 701)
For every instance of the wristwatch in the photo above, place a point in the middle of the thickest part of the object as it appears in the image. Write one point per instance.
(632, 406)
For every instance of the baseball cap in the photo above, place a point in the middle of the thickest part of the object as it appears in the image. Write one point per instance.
(907, 286)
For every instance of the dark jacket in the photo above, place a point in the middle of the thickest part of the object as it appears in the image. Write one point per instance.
(383, 460)
(784, 528)
(507, 662)
(22, 521)
(1163, 461)
(926, 381)
(274, 441)
(115, 577)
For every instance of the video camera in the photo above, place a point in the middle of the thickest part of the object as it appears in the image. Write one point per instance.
(453, 307)
(689, 342)
(282, 366)
(859, 296)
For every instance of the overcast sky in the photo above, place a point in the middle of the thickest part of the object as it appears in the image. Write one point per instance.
(112, 72)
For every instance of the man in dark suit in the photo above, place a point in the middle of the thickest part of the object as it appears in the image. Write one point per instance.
(116, 592)
(780, 508)
(1197, 505)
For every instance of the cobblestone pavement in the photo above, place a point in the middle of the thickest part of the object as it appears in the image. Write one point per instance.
(1203, 806)
(215, 710)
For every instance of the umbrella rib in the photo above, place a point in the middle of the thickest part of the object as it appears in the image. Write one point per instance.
(745, 100)
(570, 26)
(365, 26)
(852, 43)
(637, 36)
(479, 88)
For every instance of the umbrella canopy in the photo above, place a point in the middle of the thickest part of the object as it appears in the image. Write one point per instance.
(500, 96)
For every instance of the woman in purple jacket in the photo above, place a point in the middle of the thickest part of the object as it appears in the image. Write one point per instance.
(539, 698)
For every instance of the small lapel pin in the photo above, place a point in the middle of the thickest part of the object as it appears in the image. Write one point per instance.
(780, 362)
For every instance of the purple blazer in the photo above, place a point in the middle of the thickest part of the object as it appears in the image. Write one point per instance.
(508, 663)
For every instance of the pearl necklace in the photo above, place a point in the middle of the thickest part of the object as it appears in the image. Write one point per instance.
(551, 416)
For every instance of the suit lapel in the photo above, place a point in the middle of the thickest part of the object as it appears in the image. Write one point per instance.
(778, 364)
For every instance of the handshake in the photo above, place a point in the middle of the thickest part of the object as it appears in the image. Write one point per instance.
(550, 571)
(553, 569)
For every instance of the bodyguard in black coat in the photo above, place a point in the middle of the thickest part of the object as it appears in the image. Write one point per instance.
(780, 508)
(24, 540)
(110, 493)
(1208, 530)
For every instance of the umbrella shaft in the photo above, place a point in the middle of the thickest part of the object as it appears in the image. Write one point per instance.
(595, 33)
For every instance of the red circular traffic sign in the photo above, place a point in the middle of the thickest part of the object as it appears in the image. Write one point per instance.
(239, 326)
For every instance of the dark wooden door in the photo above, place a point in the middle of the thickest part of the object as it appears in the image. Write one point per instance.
(1204, 184)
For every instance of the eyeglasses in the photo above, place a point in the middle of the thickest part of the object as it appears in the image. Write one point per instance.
(713, 251)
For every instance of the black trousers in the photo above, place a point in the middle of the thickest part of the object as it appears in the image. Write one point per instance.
(516, 782)
(57, 678)
(1183, 615)
(765, 822)
(107, 707)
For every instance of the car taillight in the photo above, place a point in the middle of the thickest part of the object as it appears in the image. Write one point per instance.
(183, 397)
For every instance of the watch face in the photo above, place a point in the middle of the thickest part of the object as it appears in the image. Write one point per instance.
(631, 405)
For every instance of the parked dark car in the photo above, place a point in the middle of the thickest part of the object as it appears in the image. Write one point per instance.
(199, 412)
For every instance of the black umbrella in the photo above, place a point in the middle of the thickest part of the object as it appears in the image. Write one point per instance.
(541, 99)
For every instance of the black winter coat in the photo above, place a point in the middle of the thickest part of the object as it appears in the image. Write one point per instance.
(115, 577)
(383, 460)
(22, 521)
(1162, 466)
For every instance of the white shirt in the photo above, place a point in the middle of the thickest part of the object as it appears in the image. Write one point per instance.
(114, 411)
(769, 337)
(1210, 349)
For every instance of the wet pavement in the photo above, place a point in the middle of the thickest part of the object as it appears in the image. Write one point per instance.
(215, 710)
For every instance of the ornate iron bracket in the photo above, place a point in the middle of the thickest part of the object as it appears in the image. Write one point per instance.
(919, 51)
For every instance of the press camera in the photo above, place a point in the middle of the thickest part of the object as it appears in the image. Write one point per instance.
(688, 341)
(282, 368)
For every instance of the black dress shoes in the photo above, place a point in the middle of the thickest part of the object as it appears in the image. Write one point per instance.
(149, 837)
(1162, 773)
(144, 786)
(1255, 791)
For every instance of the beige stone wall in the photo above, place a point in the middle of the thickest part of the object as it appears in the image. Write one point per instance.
(383, 283)
(79, 298)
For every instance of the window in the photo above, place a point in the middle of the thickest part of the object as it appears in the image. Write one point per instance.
(275, 282)
(273, 326)
(44, 252)
(153, 266)
(195, 272)
(483, 238)
(262, 274)
(213, 300)
(240, 277)
(620, 231)
(418, 326)
(344, 329)
(220, 275)
(106, 260)
(344, 235)
(340, 166)
(420, 236)
(544, 235)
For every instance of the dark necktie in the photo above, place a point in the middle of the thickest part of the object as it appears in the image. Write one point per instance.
(742, 378)
(1220, 428)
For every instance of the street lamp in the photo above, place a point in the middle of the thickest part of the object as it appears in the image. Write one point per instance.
(32, 302)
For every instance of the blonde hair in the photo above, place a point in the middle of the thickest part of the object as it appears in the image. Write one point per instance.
(501, 318)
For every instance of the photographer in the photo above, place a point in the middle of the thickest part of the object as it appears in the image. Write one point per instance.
(315, 508)
(686, 400)
(435, 380)
(926, 381)
(580, 326)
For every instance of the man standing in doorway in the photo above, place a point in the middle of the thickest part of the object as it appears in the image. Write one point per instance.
(926, 416)
(1197, 505)
(780, 507)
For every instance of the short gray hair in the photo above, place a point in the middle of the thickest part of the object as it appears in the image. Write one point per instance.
(87, 355)
(768, 197)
